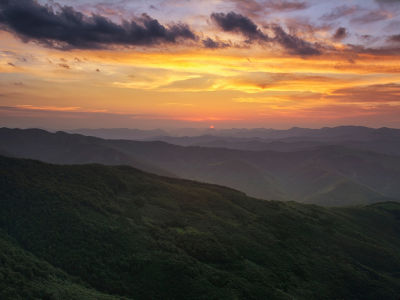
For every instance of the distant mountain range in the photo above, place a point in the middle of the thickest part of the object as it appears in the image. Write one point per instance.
(383, 140)
(386, 146)
(119, 133)
(330, 175)
(64, 148)
(340, 133)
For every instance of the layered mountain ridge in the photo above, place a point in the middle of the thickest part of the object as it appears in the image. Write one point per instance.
(330, 175)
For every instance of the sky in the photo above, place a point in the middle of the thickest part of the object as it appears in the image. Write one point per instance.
(150, 64)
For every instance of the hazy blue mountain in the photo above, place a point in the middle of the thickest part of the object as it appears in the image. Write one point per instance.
(366, 170)
(185, 132)
(199, 140)
(310, 176)
(340, 133)
(64, 148)
(261, 145)
(119, 133)
(386, 146)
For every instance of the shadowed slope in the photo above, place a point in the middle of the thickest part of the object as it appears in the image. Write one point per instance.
(377, 176)
(121, 231)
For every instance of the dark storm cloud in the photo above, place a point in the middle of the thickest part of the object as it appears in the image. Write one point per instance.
(340, 34)
(233, 22)
(293, 44)
(66, 28)
(211, 44)
(237, 23)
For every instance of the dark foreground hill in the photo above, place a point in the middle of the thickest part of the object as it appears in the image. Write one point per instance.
(114, 232)
(328, 176)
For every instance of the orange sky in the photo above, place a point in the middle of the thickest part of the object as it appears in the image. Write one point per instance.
(245, 84)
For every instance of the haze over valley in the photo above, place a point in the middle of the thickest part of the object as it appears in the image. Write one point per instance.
(324, 174)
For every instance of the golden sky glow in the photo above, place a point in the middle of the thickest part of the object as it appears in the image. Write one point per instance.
(354, 79)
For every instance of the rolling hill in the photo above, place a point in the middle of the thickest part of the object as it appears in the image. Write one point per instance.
(115, 232)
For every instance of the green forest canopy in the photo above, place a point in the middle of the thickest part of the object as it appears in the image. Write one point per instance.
(102, 232)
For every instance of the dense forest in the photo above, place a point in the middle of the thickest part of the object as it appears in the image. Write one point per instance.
(114, 232)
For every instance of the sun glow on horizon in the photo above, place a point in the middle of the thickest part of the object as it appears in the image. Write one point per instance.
(323, 76)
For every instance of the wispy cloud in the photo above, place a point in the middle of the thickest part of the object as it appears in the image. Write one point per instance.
(371, 17)
(52, 108)
(176, 103)
(339, 12)
(388, 93)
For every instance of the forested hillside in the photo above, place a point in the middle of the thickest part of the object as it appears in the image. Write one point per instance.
(115, 232)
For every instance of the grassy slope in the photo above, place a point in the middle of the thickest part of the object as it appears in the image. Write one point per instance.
(128, 233)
